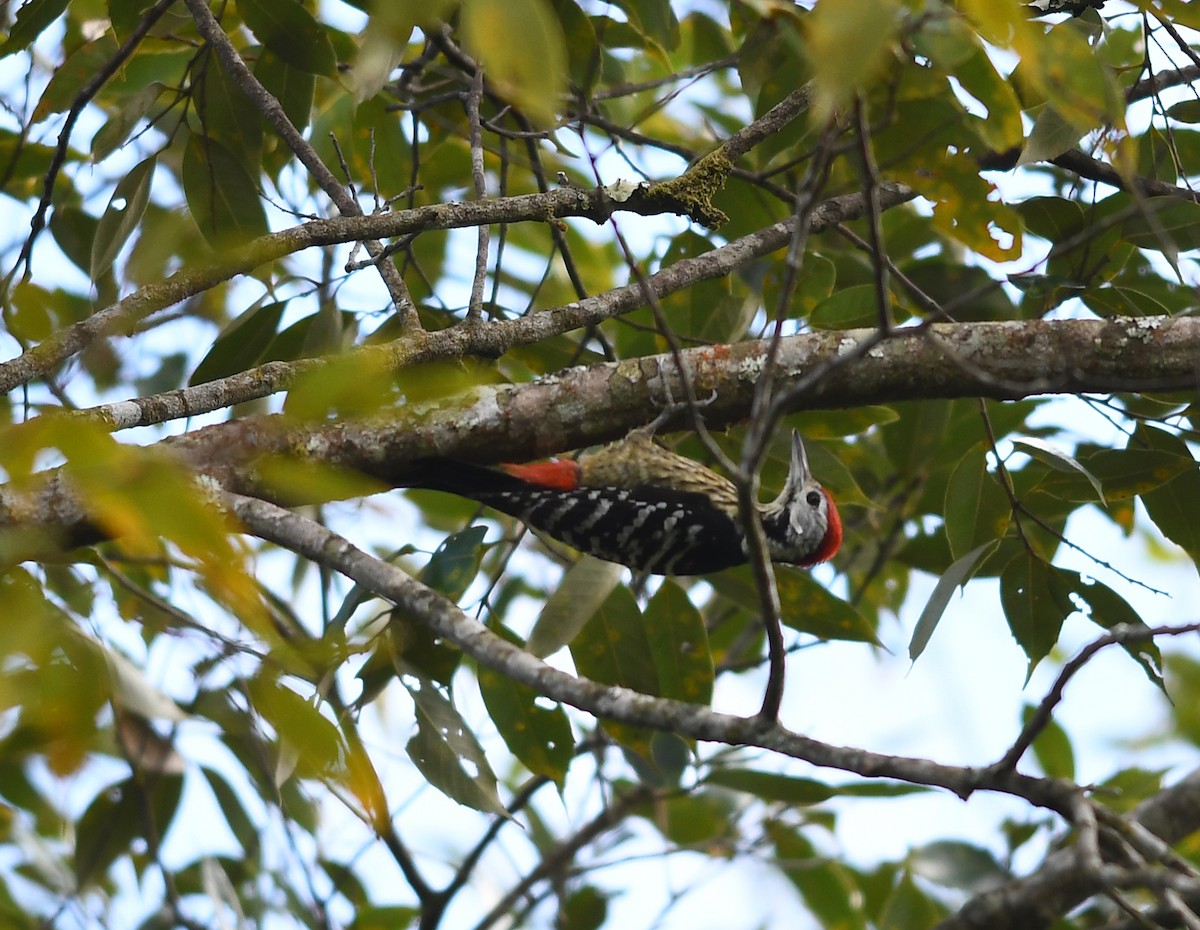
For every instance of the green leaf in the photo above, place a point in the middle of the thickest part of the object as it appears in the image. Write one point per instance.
(678, 643)
(951, 580)
(1118, 300)
(709, 312)
(1051, 747)
(127, 15)
(833, 424)
(809, 607)
(816, 283)
(406, 643)
(301, 727)
(31, 21)
(1050, 137)
(523, 52)
(952, 46)
(583, 589)
(539, 736)
(116, 132)
(850, 308)
(946, 280)
(36, 313)
(384, 916)
(1051, 455)
(382, 46)
(71, 76)
(228, 115)
(298, 341)
(1107, 609)
(292, 87)
(1074, 80)
(806, 606)
(122, 215)
(25, 166)
(222, 197)
(443, 748)
(957, 865)
(1185, 111)
(771, 786)
(1165, 224)
(693, 820)
(867, 27)
(347, 386)
(1036, 598)
(977, 510)
(827, 886)
(117, 816)
(1171, 505)
(586, 908)
(1051, 218)
(908, 906)
(241, 344)
(291, 32)
(1130, 786)
(1003, 128)
(613, 647)
(582, 49)
(1123, 473)
(655, 20)
(238, 820)
(1183, 674)
(454, 565)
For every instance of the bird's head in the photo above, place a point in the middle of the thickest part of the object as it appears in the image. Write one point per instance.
(802, 525)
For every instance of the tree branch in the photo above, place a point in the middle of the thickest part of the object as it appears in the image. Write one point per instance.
(313, 541)
(1060, 883)
(489, 340)
(600, 403)
(274, 113)
(596, 205)
(1067, 878)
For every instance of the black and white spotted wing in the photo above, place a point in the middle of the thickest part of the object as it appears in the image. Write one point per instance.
(649, 529)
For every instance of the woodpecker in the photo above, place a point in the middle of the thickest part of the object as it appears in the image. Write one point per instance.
(643, 506)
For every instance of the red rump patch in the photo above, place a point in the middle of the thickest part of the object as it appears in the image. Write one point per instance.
(557, 474)
(833, 535)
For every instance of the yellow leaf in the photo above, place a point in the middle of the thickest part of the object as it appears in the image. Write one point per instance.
(523, 52)
(847, 42)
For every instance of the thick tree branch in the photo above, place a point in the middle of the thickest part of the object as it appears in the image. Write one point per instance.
(491, 339)
(596, 205)
(600, 403)
(123, 316)
(441, 615)
(1067, 878)
(1061, 882)
(1152, 85)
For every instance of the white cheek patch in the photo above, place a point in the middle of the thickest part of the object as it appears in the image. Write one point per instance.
(796, 522)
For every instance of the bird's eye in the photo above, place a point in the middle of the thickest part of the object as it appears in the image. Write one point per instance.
(813, 498)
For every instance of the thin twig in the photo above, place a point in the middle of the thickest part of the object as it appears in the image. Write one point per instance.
(1041, 717)
(89, 90)
(475, 307)
(270, 108)
(870, 172)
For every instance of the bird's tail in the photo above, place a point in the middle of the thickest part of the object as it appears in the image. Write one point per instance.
(462, 478)
(480, 481)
